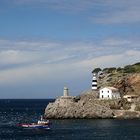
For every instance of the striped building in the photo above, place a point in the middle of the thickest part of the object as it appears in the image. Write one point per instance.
(94, 82)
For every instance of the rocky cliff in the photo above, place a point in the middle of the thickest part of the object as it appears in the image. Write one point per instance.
(87, 104)
(126, 79)
(126, 83)
(83, 106)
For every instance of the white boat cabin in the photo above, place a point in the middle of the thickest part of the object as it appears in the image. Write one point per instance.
(109, 93)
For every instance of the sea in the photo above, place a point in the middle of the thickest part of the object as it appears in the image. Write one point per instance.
(15, 111)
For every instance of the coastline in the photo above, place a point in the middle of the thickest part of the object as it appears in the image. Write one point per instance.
(87, 106)
(90, 104)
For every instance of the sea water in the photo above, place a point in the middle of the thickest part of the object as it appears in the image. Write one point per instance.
(13, 112)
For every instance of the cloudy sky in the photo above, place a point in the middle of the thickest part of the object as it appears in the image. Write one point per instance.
(48, 44)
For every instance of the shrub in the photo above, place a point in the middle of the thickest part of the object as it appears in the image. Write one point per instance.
(96, 70)
(109, 70)
(129, 69)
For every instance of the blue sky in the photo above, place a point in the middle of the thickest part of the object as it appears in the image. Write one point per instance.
(46, 45)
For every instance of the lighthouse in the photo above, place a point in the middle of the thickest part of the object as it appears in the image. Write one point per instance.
(65, 92)
(94, 82)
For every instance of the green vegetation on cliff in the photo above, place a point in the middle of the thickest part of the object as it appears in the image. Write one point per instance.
(135, 68)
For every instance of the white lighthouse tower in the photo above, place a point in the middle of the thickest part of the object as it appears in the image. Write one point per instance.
(65, 92)
(94, 82)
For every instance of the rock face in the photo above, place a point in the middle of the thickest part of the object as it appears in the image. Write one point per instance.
(126, 114)
(83, 106)
(126, 83)
(87, 105)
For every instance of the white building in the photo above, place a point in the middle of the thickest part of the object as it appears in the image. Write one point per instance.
(109, 93)
(131, 98)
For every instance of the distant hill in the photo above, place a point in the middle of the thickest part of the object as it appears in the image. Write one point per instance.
(126, 79)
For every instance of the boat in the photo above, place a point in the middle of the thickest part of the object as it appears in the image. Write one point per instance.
(35, 126)
(41, 124)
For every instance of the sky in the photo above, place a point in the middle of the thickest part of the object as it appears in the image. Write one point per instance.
(48, 44)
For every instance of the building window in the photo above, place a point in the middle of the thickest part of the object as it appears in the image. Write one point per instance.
(108, 96)
(108, 91)
(102, 96)
(102, 91)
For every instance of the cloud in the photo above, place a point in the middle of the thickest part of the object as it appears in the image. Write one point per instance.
(76, 5)
(116, 42)
(103, 12)
(20, 75)
(35, 61)
(16, 57)
(129, 15)
(119, 59)
(118, 12)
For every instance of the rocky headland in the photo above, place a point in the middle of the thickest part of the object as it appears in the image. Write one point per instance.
(82, 106)
(88, 104)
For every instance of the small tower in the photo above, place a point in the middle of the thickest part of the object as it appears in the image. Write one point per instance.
(65, 93)
(94, 82)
